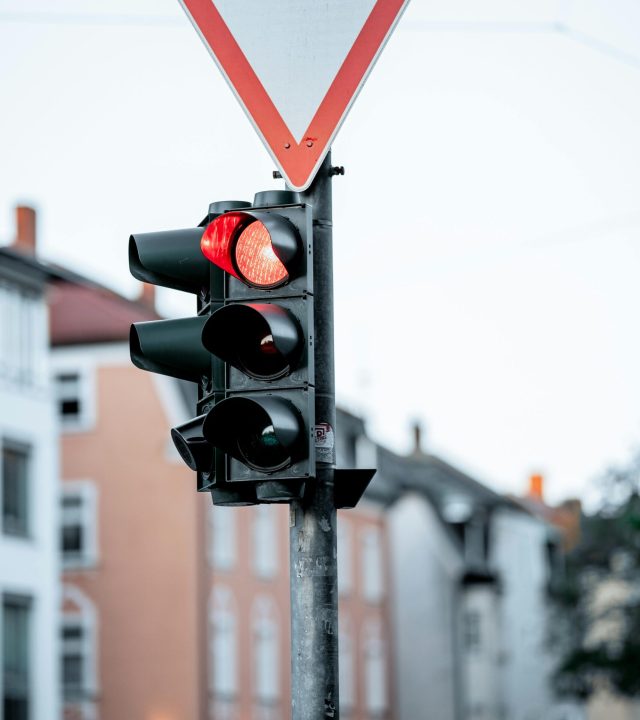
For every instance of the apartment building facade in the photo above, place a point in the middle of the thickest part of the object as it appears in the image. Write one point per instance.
(28, 488)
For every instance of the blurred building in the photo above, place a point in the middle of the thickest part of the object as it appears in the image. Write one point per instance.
(565, 517)
(470, 571)
(29, 487)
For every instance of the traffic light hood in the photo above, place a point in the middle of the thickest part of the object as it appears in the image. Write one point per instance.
(171, 259)
(192, 446)
(170, 347)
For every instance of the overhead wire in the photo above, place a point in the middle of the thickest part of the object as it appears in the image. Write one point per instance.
(560, 26)
(61, 18)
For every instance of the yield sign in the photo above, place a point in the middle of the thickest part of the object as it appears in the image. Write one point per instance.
(295, 66)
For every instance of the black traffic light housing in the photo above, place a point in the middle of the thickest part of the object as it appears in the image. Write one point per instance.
(259, 415)
(250, 349)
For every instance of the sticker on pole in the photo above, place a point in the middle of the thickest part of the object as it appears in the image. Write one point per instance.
(296, 66)
(325, 443)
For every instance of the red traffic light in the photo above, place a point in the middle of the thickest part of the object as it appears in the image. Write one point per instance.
(260, 249)
(256, 259)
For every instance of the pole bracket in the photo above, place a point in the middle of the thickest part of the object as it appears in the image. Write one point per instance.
(349, 486)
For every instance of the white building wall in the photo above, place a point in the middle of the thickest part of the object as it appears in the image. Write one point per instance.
(29, 565)
(425, 566)
(519, 555)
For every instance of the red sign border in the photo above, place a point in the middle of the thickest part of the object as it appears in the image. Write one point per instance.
(298, 162)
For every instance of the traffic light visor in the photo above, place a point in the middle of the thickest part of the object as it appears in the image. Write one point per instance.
(190, 443)
(171, 258)
(170, 347)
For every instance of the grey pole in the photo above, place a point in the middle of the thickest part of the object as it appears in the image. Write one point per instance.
(312, 535)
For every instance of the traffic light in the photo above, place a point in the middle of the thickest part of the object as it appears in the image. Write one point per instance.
(262, 333)
(250, 348)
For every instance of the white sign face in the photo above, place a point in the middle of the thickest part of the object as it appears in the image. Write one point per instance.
(296, 66)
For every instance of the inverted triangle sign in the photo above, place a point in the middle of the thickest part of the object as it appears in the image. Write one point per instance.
(296, 66)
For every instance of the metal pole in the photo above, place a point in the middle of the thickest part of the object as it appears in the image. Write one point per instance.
(312, 535)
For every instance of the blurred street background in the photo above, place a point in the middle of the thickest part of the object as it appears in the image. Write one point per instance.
(486, 255)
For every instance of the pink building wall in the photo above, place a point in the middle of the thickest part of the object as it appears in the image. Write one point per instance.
(147, 583)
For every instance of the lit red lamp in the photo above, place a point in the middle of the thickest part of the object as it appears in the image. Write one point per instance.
(259, 249)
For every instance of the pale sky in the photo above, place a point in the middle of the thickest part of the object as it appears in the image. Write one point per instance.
(486, 233)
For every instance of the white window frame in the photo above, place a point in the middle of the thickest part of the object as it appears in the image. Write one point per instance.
(266, 651)
(372, 564)
(25, 603)
(223, 537)
(265, 541)
(86, 617)
(223, 646)
(26, 447)
(375, 670)
(86, 515)
(86, 418)
(346, 666)
(23, 335)
(345, 555)
(472, 631)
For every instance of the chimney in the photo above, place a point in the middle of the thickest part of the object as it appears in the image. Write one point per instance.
(536, 487)
(25, 230)
(148, 295)
(417, 438)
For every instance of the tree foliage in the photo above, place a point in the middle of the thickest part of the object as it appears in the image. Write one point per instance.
(598, 599)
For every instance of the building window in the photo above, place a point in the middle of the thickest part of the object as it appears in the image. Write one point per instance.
(16, 612)
(471, 631)
(73, 392)
(78, 534)
(78, 647)
(68, 396)
(73, 657)
(375, 673)
(223, 645)
(23, 336)
(345, 566)
(15, 488)
(265, 545)
(222, 537)
(266, 652)
(372, 582)
(345, 666)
